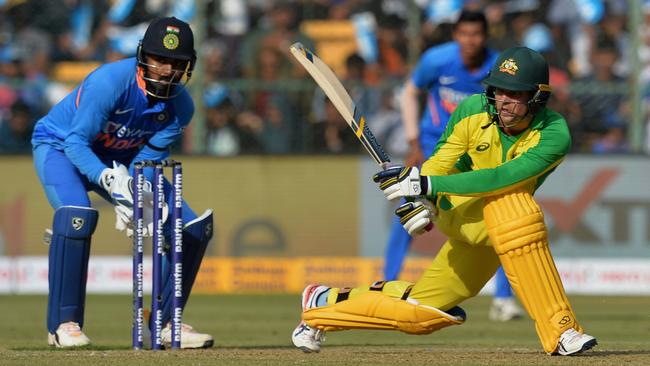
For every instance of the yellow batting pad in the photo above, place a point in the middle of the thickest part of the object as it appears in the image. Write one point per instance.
(374, 310)
(516, 228)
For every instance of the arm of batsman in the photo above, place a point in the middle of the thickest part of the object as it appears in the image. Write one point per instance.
(418, 216)
(398, 182)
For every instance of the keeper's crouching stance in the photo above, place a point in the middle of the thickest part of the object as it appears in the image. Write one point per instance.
(478, 188)
(122, 113)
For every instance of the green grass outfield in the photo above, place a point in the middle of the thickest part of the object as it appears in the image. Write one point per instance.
(255, 330)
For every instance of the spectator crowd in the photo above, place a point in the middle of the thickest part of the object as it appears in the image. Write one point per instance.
(257, 100)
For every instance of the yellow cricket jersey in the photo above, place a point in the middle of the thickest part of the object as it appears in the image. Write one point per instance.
(474, 158)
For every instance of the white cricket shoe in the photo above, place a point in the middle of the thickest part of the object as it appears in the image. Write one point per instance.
(306, 338)
(190, 338)
(505, 309)
(68, 334)
(573, 342)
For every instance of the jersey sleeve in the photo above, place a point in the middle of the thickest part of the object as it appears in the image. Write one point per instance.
(464, 164)
(452, 145)
(535, 163)
(96, 97)
(427, 70)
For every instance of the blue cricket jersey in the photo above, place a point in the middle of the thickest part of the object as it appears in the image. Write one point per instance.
(443, 75)
(108, 118)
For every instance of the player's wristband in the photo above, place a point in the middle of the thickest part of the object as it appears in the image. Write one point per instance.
(426, 184)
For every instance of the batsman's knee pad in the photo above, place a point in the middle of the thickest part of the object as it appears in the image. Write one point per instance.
(516, 228)
(69, 251)
(374, 310)
(196, 236)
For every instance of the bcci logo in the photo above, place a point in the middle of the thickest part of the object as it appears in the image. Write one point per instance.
(162, 117)
(77, 223)
(509, 66)
(171, 41)
(208, 230)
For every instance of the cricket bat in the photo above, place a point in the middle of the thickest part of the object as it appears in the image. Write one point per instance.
(330, 84)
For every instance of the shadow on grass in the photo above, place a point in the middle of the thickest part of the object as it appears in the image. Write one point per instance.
(639, 352)
(83, 348)
(391, 348)
(90, 348)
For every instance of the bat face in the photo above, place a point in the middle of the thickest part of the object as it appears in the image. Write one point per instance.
(332, 87)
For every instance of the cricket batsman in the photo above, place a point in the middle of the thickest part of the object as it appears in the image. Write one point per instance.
(123, 112)
(477, 187)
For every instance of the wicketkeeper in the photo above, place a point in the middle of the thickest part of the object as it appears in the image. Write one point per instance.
(123, 112)
(478, 188)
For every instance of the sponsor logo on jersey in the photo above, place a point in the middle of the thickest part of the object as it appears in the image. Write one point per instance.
(482, 147)
(449, 98)
(123, 111)
(446, 80)
(114, 143)
(118, 136)
(122, 130)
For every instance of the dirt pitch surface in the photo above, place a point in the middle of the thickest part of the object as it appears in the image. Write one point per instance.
(255, 330)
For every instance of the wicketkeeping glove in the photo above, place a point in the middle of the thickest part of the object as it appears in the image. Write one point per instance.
(124, 216)
(418, 216)
(398, 182)
(119, 185)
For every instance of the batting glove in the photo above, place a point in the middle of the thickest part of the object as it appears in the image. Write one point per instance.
(418, 216)
(398, 182)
